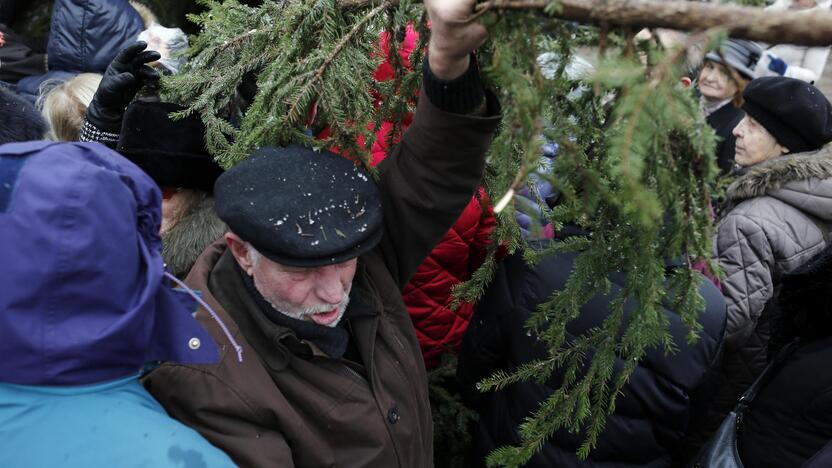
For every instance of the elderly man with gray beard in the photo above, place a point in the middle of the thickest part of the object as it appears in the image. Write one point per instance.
(323, 367)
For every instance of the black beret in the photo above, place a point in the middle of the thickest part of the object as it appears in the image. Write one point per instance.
(796, 113)
(172, 152)
(300, 207)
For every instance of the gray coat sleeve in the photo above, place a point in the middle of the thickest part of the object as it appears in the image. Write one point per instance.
(745, 255)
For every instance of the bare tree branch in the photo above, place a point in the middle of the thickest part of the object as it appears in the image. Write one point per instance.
(792, 27)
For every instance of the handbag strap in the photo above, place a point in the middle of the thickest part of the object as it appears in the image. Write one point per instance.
(748, 397)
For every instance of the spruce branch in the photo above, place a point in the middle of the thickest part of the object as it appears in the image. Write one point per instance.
(657, 73)
(236, 41)
(522, 173)
(621, 173)
(293, 114)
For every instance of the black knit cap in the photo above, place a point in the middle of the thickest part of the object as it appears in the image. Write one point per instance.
(796, 113)
(299, 207)
(172, 152)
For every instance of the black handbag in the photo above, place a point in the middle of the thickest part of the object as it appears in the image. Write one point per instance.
(721, 451)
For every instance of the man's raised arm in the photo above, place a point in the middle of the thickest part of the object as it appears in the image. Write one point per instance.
(434, 171)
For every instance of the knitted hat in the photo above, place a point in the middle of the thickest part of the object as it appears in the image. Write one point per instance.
(299, 207)
(738, 54)
(172, 152)
(20, 120)
(796, 113)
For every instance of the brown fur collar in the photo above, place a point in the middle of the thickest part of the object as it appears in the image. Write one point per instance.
(191, 235)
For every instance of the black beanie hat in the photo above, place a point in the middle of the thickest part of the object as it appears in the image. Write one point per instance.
(796, 113)
(19, 120)
(172, 152)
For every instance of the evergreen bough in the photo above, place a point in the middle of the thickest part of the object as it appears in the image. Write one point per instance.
(635, 165)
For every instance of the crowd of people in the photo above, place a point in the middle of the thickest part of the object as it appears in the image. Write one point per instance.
(157, 310)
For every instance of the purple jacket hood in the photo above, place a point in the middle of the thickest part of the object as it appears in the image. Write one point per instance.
(83, 296)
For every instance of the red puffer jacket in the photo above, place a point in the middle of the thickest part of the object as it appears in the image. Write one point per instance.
(428, 296)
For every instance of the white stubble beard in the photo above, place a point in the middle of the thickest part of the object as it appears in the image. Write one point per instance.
(300, 314)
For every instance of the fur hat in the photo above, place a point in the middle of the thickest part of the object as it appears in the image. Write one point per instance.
(796, 113)
(172, 152)
(21, 121)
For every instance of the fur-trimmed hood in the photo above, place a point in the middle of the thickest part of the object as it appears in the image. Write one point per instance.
(191, 235)
(803, 180)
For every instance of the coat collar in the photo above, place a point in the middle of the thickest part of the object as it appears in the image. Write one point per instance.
(773, 174)
(724, 116)
(183, 244)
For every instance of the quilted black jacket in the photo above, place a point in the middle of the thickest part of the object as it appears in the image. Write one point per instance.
(659, 405)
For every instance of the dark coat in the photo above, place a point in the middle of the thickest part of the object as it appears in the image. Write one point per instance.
(18, 59)
(85, 36)
(822, 459)
(723, 121)
(288, 404)
(791, 418)
(658, 405)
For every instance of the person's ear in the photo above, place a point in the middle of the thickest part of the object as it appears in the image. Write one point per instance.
(239, 249)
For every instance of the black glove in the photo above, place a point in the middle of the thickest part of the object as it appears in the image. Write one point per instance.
(125, 76)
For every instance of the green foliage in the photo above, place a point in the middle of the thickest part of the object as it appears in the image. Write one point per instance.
(310, 59)
(634, 170)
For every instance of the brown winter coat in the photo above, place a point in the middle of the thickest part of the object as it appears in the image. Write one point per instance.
(779, 216)
(287, 404)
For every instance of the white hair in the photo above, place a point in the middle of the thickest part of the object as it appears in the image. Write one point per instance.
(253, 255)
(64, 104)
